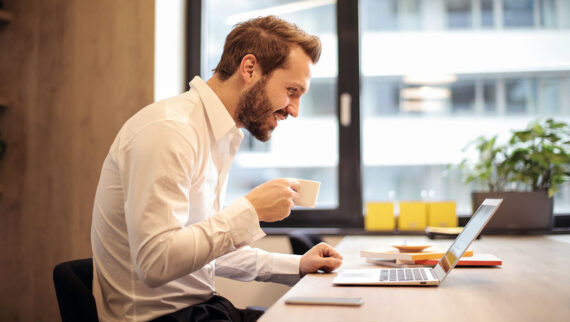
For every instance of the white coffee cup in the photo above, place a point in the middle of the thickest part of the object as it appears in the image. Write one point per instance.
(309, 193)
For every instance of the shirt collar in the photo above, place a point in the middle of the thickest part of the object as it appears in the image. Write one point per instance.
(220, 119)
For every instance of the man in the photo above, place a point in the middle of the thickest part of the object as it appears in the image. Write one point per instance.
(159, 234)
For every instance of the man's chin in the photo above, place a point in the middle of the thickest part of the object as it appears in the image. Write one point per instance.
(263, 136)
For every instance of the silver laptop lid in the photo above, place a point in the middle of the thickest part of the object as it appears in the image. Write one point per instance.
(477, 222)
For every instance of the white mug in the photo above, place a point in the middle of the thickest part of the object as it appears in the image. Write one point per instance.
(309, 192)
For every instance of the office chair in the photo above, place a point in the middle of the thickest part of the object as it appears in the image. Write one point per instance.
(73, 287)
(302, 241)
(73, 283)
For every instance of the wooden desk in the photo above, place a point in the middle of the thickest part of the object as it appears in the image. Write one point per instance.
(532, 285)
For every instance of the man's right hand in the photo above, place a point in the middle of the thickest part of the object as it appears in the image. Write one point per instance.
(274, 199)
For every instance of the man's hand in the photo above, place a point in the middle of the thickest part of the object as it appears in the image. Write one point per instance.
(274, 199)
(320, 257)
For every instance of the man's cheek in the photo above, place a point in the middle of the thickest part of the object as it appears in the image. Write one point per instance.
(280, 103)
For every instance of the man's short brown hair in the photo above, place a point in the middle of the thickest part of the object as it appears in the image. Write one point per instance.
(269, 39)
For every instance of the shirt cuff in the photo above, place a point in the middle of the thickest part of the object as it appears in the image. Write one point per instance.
(285, 268)
(285, 264)
(244, 223)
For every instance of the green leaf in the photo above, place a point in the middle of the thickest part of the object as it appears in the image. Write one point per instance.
(551, 191)
(559, 158)
(537, 157)
(556, 125)
(536, 128)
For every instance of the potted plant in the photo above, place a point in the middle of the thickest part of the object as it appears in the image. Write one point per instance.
(526, 172)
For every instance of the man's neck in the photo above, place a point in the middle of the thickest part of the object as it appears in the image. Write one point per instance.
(227, 91)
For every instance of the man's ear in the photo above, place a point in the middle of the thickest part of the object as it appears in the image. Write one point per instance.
(249, 68)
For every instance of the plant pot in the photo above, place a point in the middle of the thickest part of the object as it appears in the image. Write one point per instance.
(521, 211)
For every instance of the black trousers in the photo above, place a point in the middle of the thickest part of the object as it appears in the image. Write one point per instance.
(218, 308)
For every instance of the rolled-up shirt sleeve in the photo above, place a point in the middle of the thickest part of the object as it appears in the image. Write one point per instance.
(157, 168)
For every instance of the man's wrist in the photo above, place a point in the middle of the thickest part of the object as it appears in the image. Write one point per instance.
(243, 220)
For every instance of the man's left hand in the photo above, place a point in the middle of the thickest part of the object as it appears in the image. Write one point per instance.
(320, 257)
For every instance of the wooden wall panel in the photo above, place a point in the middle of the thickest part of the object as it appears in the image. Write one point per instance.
(73, 72)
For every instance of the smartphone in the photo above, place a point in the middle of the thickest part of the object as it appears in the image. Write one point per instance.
(344, 301)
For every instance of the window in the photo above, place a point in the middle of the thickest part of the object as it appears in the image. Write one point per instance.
(520, 96)
(518, 13)
(487, 19)
(459, 13)
(306, 147)
(548, 13)
(427, 93)
(431, 76)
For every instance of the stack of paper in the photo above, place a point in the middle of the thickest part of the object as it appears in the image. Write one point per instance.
(429, 257)
(475, 260)
(389, 253)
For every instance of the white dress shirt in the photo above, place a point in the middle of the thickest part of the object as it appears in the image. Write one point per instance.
(159, 233)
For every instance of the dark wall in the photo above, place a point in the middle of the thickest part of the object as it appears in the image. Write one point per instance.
(72, 72)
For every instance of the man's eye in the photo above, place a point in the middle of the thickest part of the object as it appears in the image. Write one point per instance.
(292, 91)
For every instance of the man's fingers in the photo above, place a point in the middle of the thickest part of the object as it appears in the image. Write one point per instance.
(328, 251)
(330, 264)
(320, 257)
(294, 184)
(296, 197)
(331, 252)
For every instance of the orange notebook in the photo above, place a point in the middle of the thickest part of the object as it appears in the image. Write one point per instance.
(475, 260)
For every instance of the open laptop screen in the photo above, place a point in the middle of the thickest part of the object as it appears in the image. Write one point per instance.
(479, 219)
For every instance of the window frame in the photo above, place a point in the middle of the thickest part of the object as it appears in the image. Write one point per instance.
(349, 212)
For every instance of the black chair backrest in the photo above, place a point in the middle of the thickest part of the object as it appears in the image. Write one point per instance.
(302, 241)
(73, 286)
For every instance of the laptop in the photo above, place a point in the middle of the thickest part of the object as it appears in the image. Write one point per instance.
(424, 276)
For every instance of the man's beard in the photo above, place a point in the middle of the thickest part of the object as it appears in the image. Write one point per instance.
(255, 113)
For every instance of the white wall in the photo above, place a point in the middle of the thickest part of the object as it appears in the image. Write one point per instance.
(169, 50)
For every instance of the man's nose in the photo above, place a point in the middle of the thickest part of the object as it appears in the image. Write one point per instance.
(293, 108)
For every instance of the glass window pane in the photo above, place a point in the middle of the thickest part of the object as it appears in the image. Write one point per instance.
(458, 13)
(518, 13)
(305, 147)
(385, 12)
(379, 96)
(463, 97)
(421, 104)
(548, 13)
(409, 15)
(520, 96)
(487, 17)
(490, 96)
(548, 98)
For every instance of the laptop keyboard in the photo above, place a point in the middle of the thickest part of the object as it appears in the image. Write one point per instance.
(403, 274)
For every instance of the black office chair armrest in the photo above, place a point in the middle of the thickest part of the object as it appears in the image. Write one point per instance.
(73, 286)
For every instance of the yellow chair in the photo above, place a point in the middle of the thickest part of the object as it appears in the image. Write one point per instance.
(413, 215)
(442, 214)
(379, 216)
